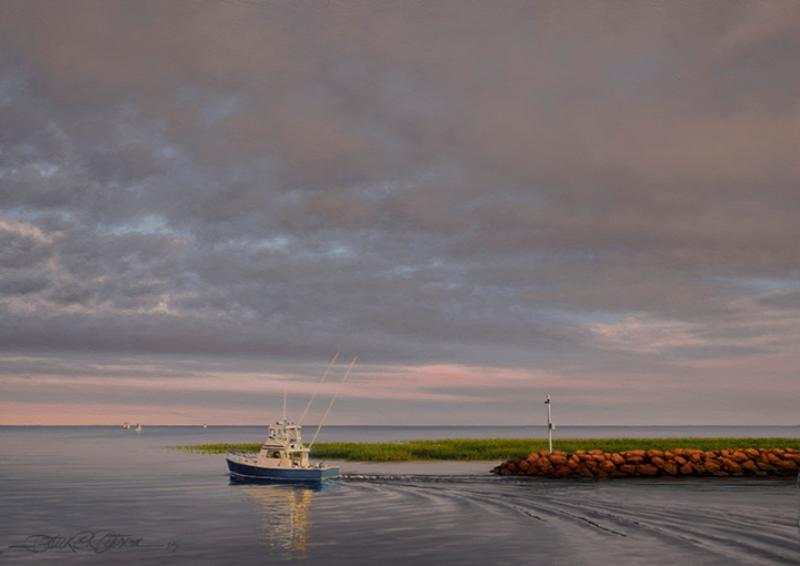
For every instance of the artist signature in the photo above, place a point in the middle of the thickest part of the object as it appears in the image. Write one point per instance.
(97, 542)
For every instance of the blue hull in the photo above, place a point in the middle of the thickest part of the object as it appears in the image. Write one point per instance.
(243, 471)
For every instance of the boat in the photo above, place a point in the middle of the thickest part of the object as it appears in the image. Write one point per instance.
(138, 427)
(282, 458)
(126, 425)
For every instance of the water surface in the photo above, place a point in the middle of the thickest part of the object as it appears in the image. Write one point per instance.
(59, 481)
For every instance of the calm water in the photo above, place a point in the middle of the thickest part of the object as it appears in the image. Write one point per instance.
(59, 481)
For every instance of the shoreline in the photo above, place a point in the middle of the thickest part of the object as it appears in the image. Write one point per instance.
(501, 449)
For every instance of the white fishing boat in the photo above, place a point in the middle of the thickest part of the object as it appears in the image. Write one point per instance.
(283, 457)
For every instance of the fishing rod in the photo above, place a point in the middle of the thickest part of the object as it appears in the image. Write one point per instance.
(333, 400)
(314, 393)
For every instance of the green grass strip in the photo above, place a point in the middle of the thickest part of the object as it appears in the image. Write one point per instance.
(497, 448)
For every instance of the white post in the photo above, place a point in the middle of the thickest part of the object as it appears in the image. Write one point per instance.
(549, 426)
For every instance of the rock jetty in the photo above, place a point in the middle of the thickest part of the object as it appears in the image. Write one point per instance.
(652, 463)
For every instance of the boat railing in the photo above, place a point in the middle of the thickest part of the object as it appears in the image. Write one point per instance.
(242, 454)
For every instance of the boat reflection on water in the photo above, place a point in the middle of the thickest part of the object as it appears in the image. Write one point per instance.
(285, 514)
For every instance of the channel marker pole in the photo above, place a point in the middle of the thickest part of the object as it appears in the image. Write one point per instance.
(550, 426)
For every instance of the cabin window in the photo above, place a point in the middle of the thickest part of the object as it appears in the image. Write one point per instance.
(276, 454)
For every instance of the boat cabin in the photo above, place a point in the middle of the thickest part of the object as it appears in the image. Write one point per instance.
(283, 447)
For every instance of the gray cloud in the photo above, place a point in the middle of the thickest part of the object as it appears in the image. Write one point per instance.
(439, 182)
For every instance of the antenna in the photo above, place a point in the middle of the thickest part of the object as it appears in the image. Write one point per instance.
(284, 403)
(333, 400)
(550, 426)
(314, 393)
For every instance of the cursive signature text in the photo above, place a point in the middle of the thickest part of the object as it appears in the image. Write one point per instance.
(98, 542)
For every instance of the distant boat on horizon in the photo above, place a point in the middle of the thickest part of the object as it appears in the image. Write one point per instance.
(138, 427)
(126, 425)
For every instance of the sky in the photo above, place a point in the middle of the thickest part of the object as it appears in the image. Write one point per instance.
(202, 202)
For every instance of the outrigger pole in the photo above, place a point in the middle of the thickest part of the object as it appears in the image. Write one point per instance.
(314, 393)
(333, 400)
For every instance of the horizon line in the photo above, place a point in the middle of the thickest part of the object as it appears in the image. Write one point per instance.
(119, 425)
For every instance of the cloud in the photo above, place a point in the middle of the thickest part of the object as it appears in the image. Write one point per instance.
(565, 191)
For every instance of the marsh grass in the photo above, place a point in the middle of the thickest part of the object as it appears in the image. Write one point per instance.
(497, 448)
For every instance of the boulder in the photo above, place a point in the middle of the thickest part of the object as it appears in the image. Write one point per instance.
(608, 466)
(750, 466)
(647, 469)
(562, 472)
(618, 459)
(739, 457)
(730, 465)
(670, 468)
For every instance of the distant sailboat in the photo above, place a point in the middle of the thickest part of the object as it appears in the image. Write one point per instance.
(138, 427)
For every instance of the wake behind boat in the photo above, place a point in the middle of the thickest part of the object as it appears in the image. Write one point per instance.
(282, 458)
